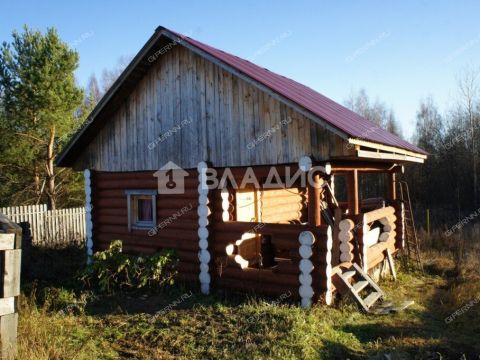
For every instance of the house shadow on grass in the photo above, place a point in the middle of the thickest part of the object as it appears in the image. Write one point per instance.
(52, 266)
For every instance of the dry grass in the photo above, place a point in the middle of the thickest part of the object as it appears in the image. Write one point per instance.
(220, 326)
(44, 334)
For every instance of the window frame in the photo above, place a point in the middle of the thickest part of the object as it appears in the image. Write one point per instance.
(132, 205)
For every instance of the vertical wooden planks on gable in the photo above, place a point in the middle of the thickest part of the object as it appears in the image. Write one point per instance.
(249, 123)
(173, 141)
(275, 119)
(220, 118)
(235, 119)
(189, 122)
(210, 111)
(242, 150)
(202, 107)
(228, 157)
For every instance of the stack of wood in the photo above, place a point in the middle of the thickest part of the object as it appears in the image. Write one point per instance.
(345, 237)
(10, 258)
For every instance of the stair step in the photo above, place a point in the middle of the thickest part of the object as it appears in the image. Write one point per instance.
(370, 299)
(348, 275)
(359, 286)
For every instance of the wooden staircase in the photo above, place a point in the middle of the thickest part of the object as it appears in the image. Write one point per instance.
(356, 283)
(412, 250)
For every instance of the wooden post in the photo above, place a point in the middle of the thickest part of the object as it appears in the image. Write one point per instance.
(336, 240)
(392, 192)
(353, 196)
(10, 265)
(88, 214)
(314, 214)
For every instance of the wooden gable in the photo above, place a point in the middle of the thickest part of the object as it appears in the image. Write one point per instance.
(186, 109)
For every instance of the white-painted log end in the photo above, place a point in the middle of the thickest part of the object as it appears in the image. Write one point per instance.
(305, 163)
(306, 238)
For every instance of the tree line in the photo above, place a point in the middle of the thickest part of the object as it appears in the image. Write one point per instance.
(447, 183)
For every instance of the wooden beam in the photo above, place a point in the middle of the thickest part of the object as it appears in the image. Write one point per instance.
(352, 192)
(364, 166)
(384, 156)
(392, 149)
(391, 194)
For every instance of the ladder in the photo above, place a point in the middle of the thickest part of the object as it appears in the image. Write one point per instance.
(355, 282)
(411, 240)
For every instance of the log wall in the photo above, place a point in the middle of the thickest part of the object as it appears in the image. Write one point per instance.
(285, 209)
(110, 218)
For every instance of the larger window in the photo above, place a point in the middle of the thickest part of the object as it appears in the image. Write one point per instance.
(142, 209)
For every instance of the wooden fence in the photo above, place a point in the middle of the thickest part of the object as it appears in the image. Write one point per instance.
(50, 227)
(10, 265)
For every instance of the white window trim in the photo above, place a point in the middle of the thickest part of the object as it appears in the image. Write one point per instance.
(132, 225)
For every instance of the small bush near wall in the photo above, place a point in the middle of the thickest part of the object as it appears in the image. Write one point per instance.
(112, 270)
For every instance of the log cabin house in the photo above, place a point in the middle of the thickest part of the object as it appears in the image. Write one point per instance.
(185, 102)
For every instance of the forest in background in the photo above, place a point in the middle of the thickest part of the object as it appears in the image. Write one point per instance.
(42, 106)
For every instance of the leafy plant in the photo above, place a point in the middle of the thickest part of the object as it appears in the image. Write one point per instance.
(113, 270)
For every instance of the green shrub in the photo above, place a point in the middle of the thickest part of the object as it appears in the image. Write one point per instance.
(112, 270)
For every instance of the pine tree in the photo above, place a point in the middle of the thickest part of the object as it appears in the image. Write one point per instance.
(39, 98)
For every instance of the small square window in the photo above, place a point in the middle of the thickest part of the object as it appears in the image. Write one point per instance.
(142, 212)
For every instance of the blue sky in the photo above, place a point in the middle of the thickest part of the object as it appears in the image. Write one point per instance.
(399, 52)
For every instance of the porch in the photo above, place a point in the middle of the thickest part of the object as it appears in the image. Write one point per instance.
(294, 239)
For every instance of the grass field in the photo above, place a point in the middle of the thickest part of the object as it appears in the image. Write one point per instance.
(59, 320)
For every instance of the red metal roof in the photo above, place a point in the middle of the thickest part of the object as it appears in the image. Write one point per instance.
(336, 115)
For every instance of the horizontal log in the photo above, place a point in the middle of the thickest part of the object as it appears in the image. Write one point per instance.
(378, 214)
(106, 175)
(282, 207)
(111, 203)
(267, 228)
(174, 234)
(286, 266)
(166, 213)
(111, 220)
(259, 288)
(282, 217)
(125, 184)
(98, 211)
(154, 242)
(187, 267)
(291, 192)
(264, 276)
(378, 249)
(120, 193)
